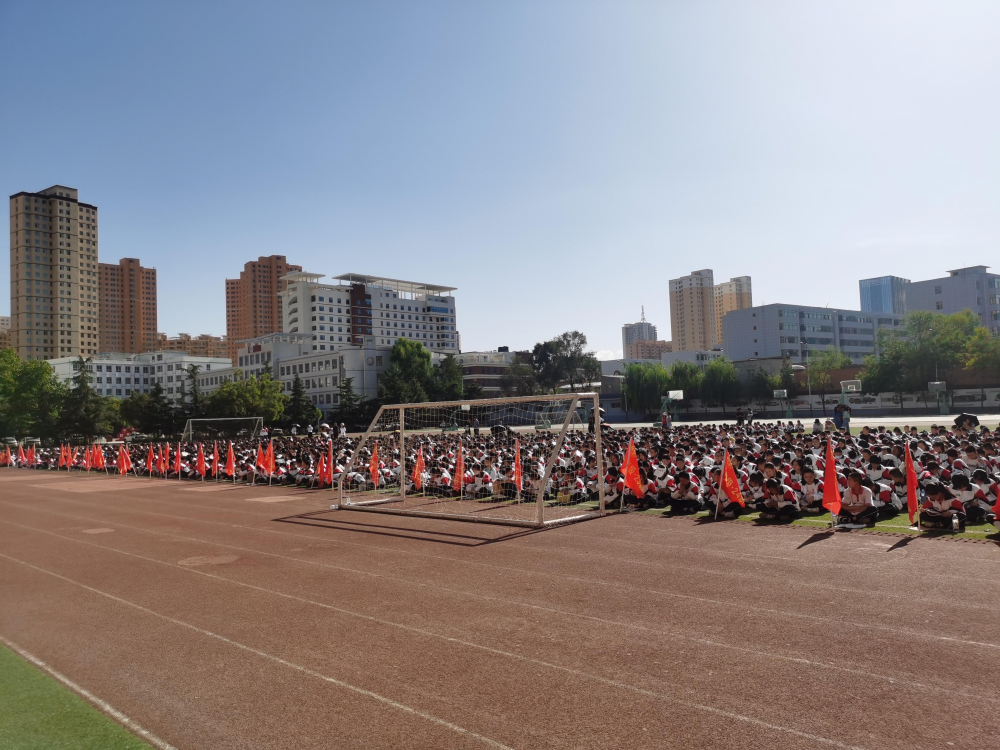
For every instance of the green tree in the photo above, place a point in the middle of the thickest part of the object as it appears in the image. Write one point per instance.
(447, 383)
(409, 378)
(546, 366)
(787, 377)
(248, 397)
(761, 387)
(472, 390)
(644, 385)
(982, 356)
(31, 397)
(349, 404)
(300, 409)
(820, 369)
(84, 411)
(687, 377)
(720, 383)
(192, 404)
(518, 380)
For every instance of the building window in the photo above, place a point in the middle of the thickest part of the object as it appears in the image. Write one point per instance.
(937, 290)
(939, 305)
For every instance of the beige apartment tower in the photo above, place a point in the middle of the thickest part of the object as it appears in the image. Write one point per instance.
(128, 307)
(54, 275)
(253, 307)
(697, 306)
(734, 294)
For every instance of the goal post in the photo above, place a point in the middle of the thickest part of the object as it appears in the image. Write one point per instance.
(527, 461)
(229, 428)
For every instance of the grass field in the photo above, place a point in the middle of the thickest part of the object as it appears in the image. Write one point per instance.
(40, 714)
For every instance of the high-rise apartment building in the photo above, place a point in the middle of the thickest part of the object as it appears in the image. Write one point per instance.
(735, 294)
(647, 349)
(54, 275)
(885, 294)
(204, 345)
(253, 307)
(692, 311)
(128, 307)
(641, 331)
(4, 331)
(698, 304)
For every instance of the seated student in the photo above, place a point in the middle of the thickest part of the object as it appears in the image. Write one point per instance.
(779, 501)
(614, 485)
(810, 491)
(664, 484)
(482, 483)
(686, 496)
(989, 485)
(857, 504)
(885, 501)
(714, 496)
(975, 501)
(941, 508)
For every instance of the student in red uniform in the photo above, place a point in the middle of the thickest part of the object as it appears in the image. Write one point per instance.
(857, 505)
(942, 508)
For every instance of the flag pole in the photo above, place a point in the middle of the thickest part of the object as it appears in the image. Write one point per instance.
(270, 461)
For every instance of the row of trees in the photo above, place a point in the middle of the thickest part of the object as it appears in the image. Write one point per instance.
(925, 347)
(646, 383)
(34, 402)
(922, 349)
(561, 361)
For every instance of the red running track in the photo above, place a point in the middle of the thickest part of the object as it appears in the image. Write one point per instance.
(222, 617)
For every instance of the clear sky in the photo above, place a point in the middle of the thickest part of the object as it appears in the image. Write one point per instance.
(557, 162)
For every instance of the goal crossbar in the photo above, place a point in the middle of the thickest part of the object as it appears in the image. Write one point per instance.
(223, 424)
(405, 430)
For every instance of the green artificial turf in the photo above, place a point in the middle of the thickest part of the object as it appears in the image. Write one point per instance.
(39, 713)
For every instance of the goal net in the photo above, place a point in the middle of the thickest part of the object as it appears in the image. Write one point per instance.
(231, 428)
(530, 461)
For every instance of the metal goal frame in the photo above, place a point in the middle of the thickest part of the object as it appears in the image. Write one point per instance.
(258, 424)
(576, 400)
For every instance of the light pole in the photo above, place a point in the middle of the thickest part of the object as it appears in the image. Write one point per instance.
(808, 384)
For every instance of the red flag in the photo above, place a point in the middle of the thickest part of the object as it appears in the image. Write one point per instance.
(100, 457)
(201, 460)
(166, 460)
(31, 457)
(329, 463)
(261, 458)
(120, 463)
(831, 490)
(373, 466)
(269, 456)
(73, 460)
(62, 456)
(418, 471)
(630, 471)
(88, 458)
(458, 481)
(321, 470)
(730, 484)
(215, 459)
(911, 484)
(230, 461)
(21, 458)
(177, 461)
(518, 472)
(149, 460)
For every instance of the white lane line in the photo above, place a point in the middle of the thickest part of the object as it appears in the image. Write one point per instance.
(420, 631)
(593, 618)
(277, 659)
(840, 622)
(499, 567)
(103, 706)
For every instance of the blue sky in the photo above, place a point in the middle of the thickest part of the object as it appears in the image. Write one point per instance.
(557, 162)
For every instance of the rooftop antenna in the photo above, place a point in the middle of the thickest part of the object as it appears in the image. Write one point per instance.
(643, 318)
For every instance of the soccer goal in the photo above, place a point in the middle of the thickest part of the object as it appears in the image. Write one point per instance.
(529, 461)
(227, 428)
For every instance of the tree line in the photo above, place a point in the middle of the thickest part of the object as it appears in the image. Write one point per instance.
(921, 350)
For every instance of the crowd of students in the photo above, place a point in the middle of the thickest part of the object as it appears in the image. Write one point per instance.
(780, 468)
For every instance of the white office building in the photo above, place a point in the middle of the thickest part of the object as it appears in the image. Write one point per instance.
(796, 332)
(121, 375)
(361, 310)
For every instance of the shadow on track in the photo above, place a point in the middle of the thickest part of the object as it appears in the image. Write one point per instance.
(819, 536)
(314, 520)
